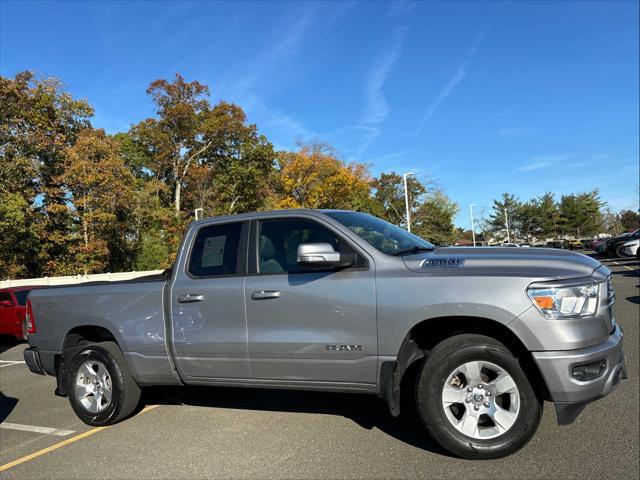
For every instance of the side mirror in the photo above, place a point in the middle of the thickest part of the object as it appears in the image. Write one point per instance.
(323, 256)
(6, 303)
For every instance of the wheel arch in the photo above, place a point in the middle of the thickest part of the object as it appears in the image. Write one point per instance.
(74, 339)
(425, 335)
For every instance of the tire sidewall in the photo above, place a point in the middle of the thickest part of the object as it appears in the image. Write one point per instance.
(97, 353)
(431, 381)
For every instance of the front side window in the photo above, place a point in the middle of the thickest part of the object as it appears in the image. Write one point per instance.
(382, 235)
(279, 240)
(215, 251)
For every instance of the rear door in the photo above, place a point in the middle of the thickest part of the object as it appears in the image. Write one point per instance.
(207, 303)
(305, 325)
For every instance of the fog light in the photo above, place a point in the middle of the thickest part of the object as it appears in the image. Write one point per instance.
(589, 371)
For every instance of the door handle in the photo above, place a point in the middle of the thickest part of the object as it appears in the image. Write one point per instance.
(190, 298)
(265, 294)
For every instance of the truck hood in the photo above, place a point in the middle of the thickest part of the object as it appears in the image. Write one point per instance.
(539, 263)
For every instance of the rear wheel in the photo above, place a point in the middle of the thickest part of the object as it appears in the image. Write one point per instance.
(100, 387)
(620, 250)
(474, 398)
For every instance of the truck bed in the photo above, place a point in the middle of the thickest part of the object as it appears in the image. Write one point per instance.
(131, 310)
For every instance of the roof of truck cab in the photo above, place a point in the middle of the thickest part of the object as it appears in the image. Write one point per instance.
(250, 215)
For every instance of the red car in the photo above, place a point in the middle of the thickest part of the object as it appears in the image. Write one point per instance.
(13, 306)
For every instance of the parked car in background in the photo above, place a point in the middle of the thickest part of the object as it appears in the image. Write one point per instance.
(605, 246)
(615, 246)
(595, 242)
(564, 244)
(631, 248)
(575, 245)
(13, 302)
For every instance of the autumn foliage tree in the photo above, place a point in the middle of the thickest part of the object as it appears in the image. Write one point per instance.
(100, 189)
(38, 122)
(314, 177)
(235, 173)
(174, 140)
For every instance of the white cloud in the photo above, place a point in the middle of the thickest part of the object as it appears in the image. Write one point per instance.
(457, 77)
(388, 159)
(376, 107)
(538, 162)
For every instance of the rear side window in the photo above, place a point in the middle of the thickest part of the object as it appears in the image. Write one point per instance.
(21, 295)
(215, 251)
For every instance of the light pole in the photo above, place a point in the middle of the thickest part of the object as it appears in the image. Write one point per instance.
(506, 222)
(406, 199)
(473, 228)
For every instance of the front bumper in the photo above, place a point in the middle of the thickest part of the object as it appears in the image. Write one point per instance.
(570, 395)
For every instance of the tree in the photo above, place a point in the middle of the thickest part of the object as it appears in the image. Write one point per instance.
(581, 213)
(38, 121)
(432, 212)
(511, 205)
(314, 177)
(235, 174)
(630, 220)
(529, 219)
(19, 238)
(548, 215)
(389, 194)
(434, 219)
(156, 232)
(100, 188)
(174, 141)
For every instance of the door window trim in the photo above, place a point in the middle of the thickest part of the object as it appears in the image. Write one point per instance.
(241, 257)
(254, 253)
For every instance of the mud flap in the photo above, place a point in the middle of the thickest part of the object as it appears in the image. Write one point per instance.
(391, 373)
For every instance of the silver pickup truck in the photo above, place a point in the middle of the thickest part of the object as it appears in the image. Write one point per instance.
(343, 301)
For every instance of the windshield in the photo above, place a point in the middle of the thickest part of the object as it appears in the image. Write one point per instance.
(382, 235)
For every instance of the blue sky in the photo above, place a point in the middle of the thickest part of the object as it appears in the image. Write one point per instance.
(524, 97)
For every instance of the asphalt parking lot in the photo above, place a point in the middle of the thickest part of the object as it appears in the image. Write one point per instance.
(240, 433)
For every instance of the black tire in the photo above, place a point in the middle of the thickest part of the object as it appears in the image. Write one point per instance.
(620, 250)
(440, 363)
(125, 391)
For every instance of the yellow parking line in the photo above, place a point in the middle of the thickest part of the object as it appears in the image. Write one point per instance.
(58, 445)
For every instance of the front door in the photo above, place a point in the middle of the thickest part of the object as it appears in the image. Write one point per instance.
(207, 304)
(304, 325)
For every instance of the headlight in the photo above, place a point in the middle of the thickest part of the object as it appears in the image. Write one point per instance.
(565, 302)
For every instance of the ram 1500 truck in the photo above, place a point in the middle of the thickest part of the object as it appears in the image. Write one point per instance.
(343, 301)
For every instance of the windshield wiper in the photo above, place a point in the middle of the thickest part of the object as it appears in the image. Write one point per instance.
(415, 249)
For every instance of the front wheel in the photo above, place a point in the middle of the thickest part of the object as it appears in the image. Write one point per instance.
(475, 399)
(100, 387)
